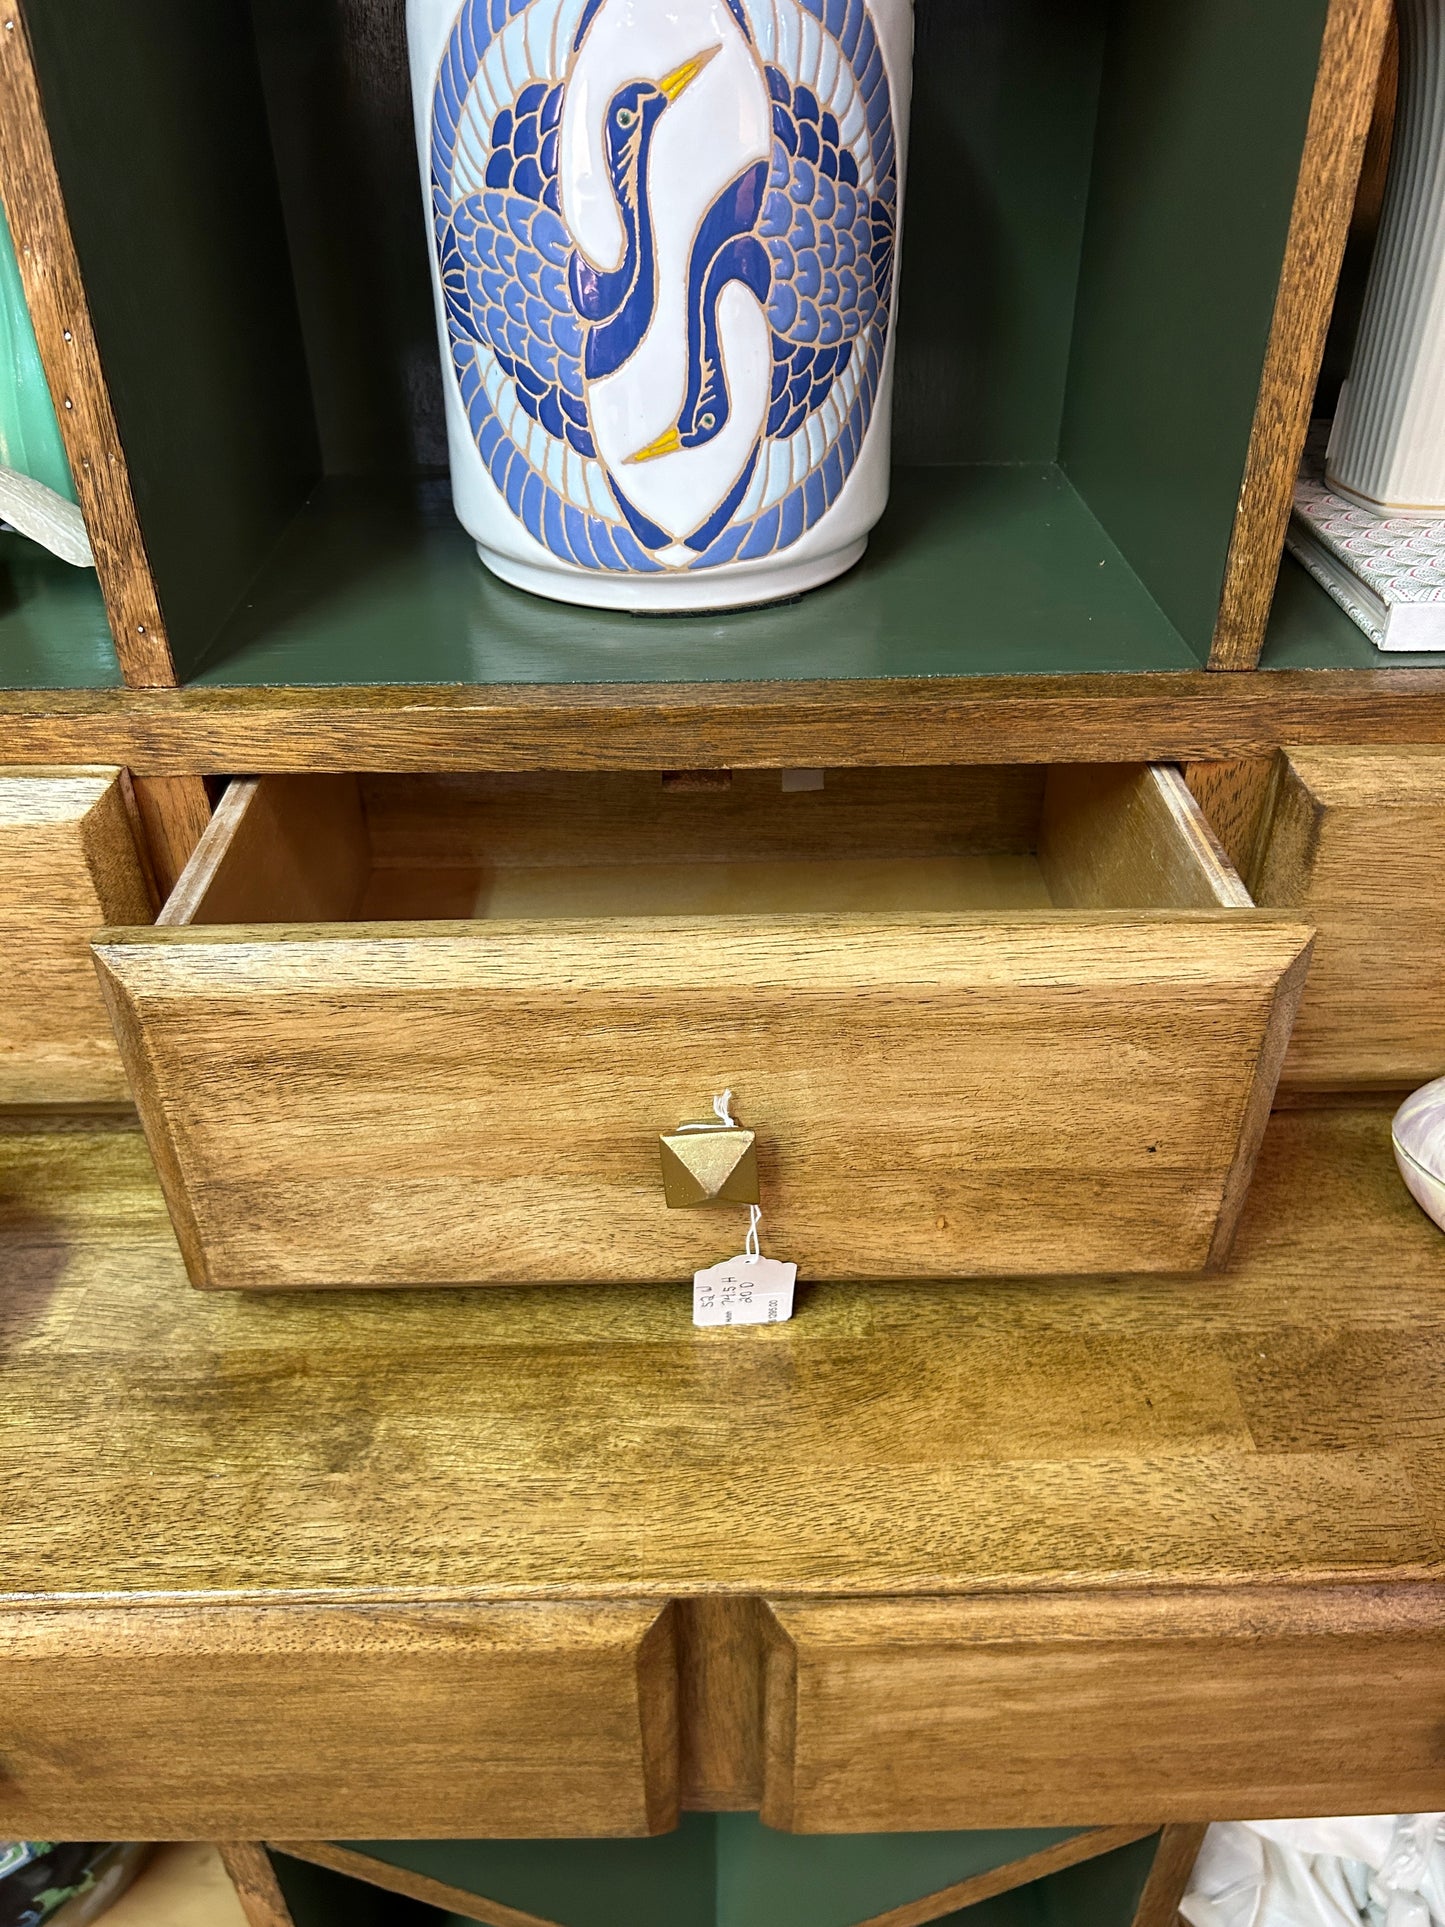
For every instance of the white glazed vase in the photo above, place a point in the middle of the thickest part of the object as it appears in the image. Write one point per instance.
(1387, 447)
(664, 244)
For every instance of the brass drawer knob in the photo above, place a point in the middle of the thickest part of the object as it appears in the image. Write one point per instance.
(715, 1162)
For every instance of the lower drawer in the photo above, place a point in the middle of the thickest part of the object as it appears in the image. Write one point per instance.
(224, 1722)
(1071, 1711)
(68, 864)
(399, 1031)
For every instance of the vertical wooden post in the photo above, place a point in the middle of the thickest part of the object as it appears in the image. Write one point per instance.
(1350, 60)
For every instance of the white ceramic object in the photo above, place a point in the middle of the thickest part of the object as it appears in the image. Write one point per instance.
(664, 249)
(1418, 1134)
(1387, 449)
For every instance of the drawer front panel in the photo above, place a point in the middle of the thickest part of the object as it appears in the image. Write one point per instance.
(228, 1723)
(68, 865)
(1103, 1710)
(932, 1096)
(1354, 844)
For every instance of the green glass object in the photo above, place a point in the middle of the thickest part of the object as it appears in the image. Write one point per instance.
(29, 434)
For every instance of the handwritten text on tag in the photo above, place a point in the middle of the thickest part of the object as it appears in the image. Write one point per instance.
(741, 1291)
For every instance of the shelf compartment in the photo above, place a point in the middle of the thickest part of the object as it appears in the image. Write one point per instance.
(1117, 259)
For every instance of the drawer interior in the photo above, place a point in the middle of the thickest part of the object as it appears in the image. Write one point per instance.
(337, 849)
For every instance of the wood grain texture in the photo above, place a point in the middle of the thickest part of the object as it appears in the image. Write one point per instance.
(1353, 843)
(173, 812)
(187, 1481)
(1118, 838)
(720, 1703)
(896, 1711)
(68, 864)
(1169, 1876)
(45, 251)
(1273, 1045)
(285, 849)
(570, 818)
(513, 1720)
(448, 1104)
(898, 722)
(1235, 798)
(1002, 1880)
(416, 1886)
(254, 1878)
(1344, 102)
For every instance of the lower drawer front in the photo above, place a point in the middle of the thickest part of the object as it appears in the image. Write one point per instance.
(495, 1721)
(1354, 845)
(1076, 1711)
(932, 1096)
(68, 865)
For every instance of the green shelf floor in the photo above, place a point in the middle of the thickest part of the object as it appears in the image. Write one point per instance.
(1309, 630)
(973, 571)
(53, 628)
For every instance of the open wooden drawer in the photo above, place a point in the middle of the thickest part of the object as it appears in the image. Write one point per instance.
(397, 1030)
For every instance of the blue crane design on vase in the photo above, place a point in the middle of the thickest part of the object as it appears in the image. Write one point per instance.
(665, 241)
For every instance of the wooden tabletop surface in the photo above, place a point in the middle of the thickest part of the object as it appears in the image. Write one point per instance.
(1282, 1422)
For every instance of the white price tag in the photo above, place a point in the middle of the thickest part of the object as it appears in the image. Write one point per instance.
(743, 1291)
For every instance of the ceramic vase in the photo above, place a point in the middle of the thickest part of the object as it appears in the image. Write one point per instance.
(664, 245)
(1418, 1135)
(1387, 448)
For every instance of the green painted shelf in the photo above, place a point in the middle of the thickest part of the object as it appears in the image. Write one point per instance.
(53, 628)
(974, 571)
(1309, 630)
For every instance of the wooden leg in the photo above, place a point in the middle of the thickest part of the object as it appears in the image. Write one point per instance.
(173, 812)
(1178, 1850)
(254, 1878)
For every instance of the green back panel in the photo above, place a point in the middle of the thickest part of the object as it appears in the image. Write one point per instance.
(717, 1870)
(666, 1882)
(1201, 131)
(768, 1879)
(29, 434)
(973, 571)
(154, 110)
(1004, 100)
(339, 101)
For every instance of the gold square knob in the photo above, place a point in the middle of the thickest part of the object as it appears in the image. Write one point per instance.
(709, 1164)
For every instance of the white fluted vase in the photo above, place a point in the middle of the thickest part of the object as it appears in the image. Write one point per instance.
(1387, 449)
(664, 240)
